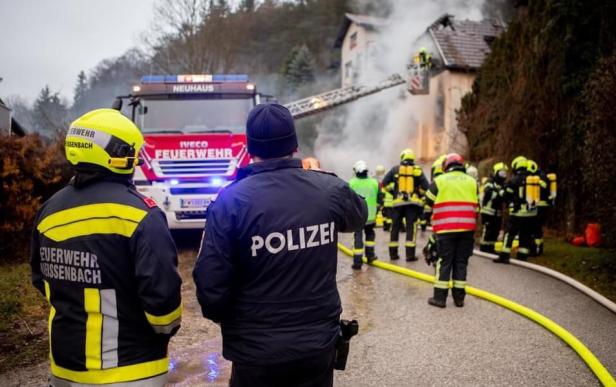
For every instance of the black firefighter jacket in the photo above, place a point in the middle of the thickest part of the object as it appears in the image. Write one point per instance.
(103, 257)
(267, 266)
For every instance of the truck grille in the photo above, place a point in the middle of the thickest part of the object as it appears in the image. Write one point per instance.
(176, 168)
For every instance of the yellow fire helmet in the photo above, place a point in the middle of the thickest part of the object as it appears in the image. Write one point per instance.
(532, 166)
(407, 154)
(106, 138)
(500, 166)
(519, 162)
(437, 165)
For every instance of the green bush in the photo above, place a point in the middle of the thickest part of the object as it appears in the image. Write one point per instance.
(32, 168)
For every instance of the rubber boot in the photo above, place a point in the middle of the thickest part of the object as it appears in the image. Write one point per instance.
(458, 296)
(502, 258)
(440, 298)
(393, 253)
(356, 262)
(410, 254)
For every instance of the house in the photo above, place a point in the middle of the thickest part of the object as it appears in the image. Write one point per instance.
(356, 39)
(8, 124)
(459, 47)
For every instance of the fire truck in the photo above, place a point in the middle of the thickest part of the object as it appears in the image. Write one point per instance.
(194, 129)
(195, 141)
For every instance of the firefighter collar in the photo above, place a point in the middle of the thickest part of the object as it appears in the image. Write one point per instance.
(268, 165)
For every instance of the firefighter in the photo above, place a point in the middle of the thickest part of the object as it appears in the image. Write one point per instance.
(103, 256)
(379, 173)
(424, 58)
(492, 207)
(368, 188)
(522, 212)
(453, 196)
(436, 170)
(543, 207)
(407, 184)
(266, 271)
(387, 210)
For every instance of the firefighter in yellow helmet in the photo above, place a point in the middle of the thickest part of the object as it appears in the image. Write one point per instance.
(492, 207)
(407, 185)
(104, 258)
(543, 207)
(436, 170)
(522, 212)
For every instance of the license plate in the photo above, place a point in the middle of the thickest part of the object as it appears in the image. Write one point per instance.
(194, 203)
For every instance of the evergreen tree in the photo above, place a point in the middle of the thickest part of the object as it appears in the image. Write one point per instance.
(300, 69)
(49, 113)
(81, 89)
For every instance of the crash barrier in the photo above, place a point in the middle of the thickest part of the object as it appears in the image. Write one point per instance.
(559, 276)
(610, 305)
(588, 357)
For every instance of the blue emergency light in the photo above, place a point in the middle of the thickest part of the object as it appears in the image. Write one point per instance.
(194, 78)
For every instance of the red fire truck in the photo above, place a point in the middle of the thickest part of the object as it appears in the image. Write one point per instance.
(195, 142)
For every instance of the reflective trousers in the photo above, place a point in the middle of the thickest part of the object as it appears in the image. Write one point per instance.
(454, 249)
(387, 218)
(491, 226)
(522, 227)
(358, 243)
(155, 381)
(314, 371)
(539, 222)
(407, 216)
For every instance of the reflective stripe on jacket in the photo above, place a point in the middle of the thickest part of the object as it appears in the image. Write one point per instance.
(454, 199)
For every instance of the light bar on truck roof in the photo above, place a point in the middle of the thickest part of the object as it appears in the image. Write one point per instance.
(194, 78)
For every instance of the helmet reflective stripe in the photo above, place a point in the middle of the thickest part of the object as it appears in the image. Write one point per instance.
(532, 166)
(97, 137)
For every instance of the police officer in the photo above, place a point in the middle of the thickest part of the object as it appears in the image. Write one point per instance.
(266, 270)
(407, 184)
(521, 213)
(453, 196)
(103, 257)
(492, 207)
(368, 188)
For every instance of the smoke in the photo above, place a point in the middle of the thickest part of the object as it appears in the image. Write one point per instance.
(378, 127)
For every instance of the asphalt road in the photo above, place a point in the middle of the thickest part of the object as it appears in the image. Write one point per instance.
(405, 342)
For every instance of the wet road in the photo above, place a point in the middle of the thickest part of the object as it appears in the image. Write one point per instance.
(404, 342)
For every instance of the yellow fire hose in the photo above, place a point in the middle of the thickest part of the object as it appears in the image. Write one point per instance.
(589, 358)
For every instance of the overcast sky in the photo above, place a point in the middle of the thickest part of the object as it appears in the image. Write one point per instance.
(50, 41)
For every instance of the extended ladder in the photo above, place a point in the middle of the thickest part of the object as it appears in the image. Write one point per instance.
(330, 99)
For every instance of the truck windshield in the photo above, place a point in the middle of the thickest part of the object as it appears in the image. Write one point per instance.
(193, 115)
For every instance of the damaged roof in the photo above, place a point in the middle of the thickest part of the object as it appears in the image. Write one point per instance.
(365, 21)
(463, 44)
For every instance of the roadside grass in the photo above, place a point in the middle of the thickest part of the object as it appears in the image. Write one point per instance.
(23, 319)
(594, 267)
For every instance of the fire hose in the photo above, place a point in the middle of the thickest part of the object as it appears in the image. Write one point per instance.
(585, 354)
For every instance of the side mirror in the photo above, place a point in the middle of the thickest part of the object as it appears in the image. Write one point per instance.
(117, 104)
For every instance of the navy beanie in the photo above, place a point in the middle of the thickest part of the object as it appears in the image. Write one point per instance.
(270, 131)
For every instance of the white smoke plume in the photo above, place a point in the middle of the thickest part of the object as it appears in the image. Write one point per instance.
(378, 127)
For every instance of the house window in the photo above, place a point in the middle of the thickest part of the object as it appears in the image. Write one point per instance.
(348, 69)
(353, 40)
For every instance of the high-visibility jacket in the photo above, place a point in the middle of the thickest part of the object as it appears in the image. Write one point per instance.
(103, 256)
(407, 185)
(453, 196)
(492, 202)
(368, 188)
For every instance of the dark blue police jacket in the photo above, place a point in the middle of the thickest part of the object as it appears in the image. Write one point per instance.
(267, 265)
